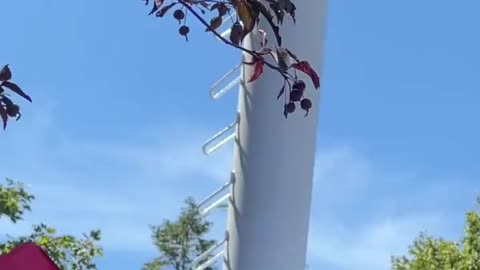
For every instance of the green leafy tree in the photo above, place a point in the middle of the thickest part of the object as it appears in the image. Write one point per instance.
(14, 200)
(180, 242)
(429, 253)
(68, 252)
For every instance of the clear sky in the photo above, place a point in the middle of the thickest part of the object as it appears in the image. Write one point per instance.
(121, 109)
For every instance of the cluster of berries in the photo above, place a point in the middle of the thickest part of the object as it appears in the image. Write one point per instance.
(296, 95)
(215, 22)
(183, 30)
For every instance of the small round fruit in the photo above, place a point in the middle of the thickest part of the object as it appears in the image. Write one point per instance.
(290, 107)
(295, 95)
(184, 30)
(13, 110)
(299, 85)
(179, 14)
(306, 104)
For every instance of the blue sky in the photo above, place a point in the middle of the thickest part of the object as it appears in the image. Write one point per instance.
(121, 109)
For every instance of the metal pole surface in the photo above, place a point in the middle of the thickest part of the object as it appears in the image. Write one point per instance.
(274, 157)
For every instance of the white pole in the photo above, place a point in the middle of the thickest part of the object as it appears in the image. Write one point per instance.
(274, 157)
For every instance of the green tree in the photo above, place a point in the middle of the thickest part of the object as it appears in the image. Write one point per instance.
(67, 251)
(180, 242)
(429, 253)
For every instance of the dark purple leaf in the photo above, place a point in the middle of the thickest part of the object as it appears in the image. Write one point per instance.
(285, 111)
(292, 12)
(220, 7)
(257, 70)
(260, 8)
(305, 67)
(279, 13)
(15, 88)
(281, 92)
(4, 116)
(215, 6)
(164, 10)
(8, 102)
(215, 23)
(156, 6)
(5, 73)
(204, 4)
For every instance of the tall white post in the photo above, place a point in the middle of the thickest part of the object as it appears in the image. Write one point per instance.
(274, 157)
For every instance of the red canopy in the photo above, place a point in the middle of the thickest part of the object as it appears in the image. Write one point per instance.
(27, 257)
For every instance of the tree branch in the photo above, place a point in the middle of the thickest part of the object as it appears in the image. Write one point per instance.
(253, 53)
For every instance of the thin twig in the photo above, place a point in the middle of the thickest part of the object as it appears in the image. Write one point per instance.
(253, 53)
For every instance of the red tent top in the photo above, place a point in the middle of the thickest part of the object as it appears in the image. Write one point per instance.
(27, 257)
